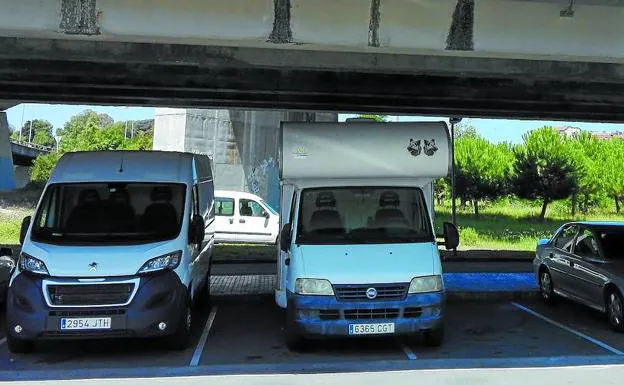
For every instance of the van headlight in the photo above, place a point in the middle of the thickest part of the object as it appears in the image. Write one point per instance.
(310, 286)
(32, 265)
(164, 262)
(427, 284)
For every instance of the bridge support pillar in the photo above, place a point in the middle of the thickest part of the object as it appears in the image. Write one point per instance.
(7, 177)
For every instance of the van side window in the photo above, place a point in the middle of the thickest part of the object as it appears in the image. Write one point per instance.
(224, 207)
(250, 208)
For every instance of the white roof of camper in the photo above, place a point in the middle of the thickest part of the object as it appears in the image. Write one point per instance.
(137, 166)
(415, 152)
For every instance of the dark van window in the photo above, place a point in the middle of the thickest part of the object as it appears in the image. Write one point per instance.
(363, 215)
(105, 213)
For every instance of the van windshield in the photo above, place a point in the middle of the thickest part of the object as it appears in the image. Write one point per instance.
(363, 215)
(106, 213)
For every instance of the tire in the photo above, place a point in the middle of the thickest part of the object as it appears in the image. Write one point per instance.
(434, 337)
(547, 287)
(19, 346)
(615, 310)
(180, 339)
(294, 341)
(202, 301)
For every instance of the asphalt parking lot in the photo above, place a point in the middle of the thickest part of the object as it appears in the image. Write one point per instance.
(245, 332)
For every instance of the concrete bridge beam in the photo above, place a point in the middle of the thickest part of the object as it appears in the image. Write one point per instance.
(7, 178)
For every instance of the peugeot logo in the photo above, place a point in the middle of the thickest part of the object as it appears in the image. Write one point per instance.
(93, 266)
(371, 293)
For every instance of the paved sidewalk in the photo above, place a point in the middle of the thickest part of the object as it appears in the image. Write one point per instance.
(458, 285)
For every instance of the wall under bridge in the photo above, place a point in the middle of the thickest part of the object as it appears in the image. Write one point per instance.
(243, 144)
(7, 178)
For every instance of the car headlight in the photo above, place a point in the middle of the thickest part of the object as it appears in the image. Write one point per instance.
(428, 284)
(164, 262)
(308, 286)
(32, 265)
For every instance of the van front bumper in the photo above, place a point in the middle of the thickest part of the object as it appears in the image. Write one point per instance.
(325, 316)
(160, 297)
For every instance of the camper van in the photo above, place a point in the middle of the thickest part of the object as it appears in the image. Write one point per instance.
(120, 245)
(358, 254)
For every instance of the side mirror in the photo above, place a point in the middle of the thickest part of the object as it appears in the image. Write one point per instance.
(451, 236)
(24, 229)
(286, 237)
(6, 252)
(197, 230)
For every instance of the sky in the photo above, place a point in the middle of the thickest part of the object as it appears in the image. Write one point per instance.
(495, 130)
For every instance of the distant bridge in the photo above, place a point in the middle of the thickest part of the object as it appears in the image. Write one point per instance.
(25, 153)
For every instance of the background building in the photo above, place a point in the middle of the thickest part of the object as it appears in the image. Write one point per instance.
(243, 145)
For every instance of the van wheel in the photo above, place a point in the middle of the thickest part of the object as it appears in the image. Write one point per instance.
(434, 337)
(180, 339)
(20, 346)
(202, 297)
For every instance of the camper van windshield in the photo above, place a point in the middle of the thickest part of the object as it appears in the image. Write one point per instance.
(363, 215)
(105, 213)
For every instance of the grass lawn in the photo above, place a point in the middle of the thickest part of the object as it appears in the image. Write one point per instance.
(512, 224)
(10, 223)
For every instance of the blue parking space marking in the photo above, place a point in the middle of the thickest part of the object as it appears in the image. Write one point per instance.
(489, 282)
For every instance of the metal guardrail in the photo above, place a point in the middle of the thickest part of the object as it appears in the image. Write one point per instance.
(35, 146)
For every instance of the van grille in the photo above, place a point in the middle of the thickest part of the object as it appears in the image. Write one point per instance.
(371, 313)
(85, 295)
(385, 292)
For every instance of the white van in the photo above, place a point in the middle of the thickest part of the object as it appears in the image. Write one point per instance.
(244, 218)
(358, 254)
(120, 246)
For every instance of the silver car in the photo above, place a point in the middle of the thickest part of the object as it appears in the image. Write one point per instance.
(584, 262)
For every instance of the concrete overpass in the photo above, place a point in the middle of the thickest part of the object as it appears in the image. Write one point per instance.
(25, 154)
(521, 58)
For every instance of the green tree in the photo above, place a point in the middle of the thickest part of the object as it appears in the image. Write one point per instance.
(585, 153)
(482, 169)
(610, 166)
(37, 131)
(543, 168)
(441, 189)
(463, 130)
(43, 165)
(89, 131)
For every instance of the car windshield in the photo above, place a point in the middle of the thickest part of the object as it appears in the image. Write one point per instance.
(105, 213)
(612, 241)
(363, 215)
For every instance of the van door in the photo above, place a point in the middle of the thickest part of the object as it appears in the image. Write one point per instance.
(287, 215)
(225, 228)
(253, 222)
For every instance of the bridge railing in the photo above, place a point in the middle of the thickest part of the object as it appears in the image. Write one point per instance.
(35, 146)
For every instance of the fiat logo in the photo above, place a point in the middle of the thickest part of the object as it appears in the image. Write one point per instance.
(371, 293)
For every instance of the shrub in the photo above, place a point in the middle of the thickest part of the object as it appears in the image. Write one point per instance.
(468, 236)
